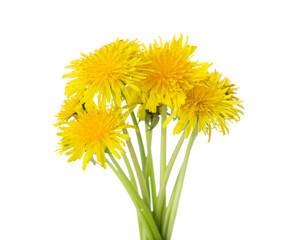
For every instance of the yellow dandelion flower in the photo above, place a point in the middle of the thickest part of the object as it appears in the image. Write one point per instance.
(106, 72)
(230, 88)
(140, 98)
(137, 98)
(171, 73)
(94, 131)
(69, 109)
(207, 105)
(227, 87)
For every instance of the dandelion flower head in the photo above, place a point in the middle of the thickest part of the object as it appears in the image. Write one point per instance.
(69, 109)
(106, 72)
(170, 73)
(94, 131)
(207, 104)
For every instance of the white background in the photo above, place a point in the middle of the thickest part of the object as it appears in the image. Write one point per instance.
(236, 187)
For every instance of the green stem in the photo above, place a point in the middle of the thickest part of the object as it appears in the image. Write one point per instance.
(171, 211)
(163, 141)
(138, 171)
(142, 152)
(140, 224)
(129, 169)
(140, 142)
(163, 162)
(168, 170)
(132, 178)
(149, 166)
(153, 184)
(139, 137)
(147, 218)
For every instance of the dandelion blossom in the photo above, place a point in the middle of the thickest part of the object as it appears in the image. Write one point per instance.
(230, 88)
(106, 72)
(207, 104)
(69, 109)
(94, 131)
(171, 73)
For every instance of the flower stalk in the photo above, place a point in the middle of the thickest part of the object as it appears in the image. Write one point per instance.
(161, 206)
(150, 175)
(140, 176)
(148, 221)
(140, 142)
(171, 211)
(164, 181)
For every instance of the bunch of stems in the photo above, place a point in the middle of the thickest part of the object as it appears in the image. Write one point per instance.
(155, 218)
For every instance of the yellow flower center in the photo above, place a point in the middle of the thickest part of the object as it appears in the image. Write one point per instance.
(94, 128)
(200, 99)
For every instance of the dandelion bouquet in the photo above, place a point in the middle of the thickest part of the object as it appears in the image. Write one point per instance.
(159, 83)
